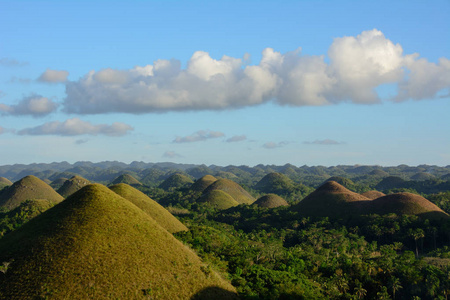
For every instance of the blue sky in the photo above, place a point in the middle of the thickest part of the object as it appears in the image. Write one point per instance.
(235, 82)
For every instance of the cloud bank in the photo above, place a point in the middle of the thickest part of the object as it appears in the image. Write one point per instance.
(236, 138)
(171, 154)
(53, 76)
(35, 105)
(324, 142)
(201, 135)
(357, 65)
(75, 126)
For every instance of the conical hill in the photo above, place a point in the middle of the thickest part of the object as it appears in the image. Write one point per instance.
(29, 187)
(331, 199)
(58, 183)
(233, 189)
(176, 181)
(201, 184)
(271, 201)
(406, 204)
(98, 245)
(373, 194)
(72, 185)
(275, 183)
(218, 199)
(4, 182)
(164, 218)
(127, 179)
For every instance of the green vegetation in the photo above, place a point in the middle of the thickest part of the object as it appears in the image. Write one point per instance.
(127, 179)
(218, 199)
(176, 181)
(233, 189)
(4, 182)
(271, 201)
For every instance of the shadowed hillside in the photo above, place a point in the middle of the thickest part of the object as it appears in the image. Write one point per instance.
(201, 184)
(218, 199)
(29, 187)
(127, 179)
(164, 218)
(176, 181)
(271, 201)
(58, 183)
(72, 185)
(97, 245)
(330, 200)
(233, 189)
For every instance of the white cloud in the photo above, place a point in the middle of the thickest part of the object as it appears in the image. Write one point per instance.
(201, 135)
(53, 76)
(171, 154)
(75, 126)
(34, 105)
(324, 142)
(236, 138)
(356, 67)
(273, 145)
(11, 62)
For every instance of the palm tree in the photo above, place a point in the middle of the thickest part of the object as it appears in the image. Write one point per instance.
(395, 285)
(360, 292)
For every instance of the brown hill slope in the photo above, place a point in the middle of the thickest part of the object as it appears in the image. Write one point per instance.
(201, 184)
(406, 204)
(98, 245)
(72, 185)
(233, 189)
(373, 194)
(331, 199)
(164, 218)
(271, 201)
(28, 188)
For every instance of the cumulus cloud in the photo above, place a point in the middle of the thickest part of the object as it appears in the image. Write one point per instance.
(11, 62)
(324, 142)
(75, 126)
(53, 76)
(355, 67)
(34, 105)
(236, 138)
(201, 135)
(171, 154)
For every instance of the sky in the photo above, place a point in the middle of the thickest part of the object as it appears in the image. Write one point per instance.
(225, 83)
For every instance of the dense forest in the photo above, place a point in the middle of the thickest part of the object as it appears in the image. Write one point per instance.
(276, 232)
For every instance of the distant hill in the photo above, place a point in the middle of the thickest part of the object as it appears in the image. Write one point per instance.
(422, 176)
(97, 245)
(390, 182)
(407, 204)
(28, 188)
(127, 179)
(72, 185)
(330, 200)
(163, 217)
(271, 201)
(57, 183)
(201, 184)
(345, 182)
(233, 189)
(276, 183)
(176, 181)
(379, 173)
(218, 199)
(373, 194)
(4, 182)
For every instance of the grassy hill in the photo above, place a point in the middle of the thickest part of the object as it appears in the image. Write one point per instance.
(164, 218)
(406, 204)
(373, 194)
(176, 181)
(4, 182)
(72, 185)
(330, 200)
(29, 187)
(58, 183)
(233, 189)
(201, 184)
(218, 199)
(271, 201)
(97, 245)
(276, 183)
(390, 182)
(127, 179)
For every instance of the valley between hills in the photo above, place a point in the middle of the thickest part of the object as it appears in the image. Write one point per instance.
(111, 230)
